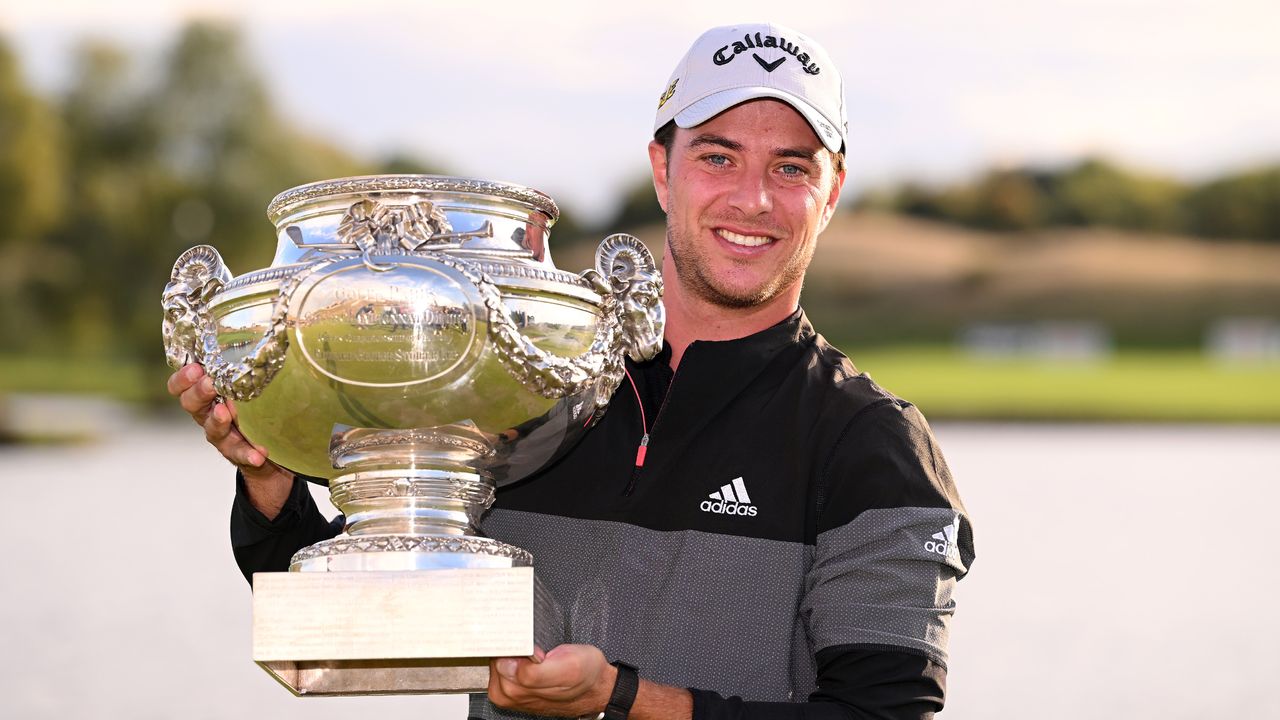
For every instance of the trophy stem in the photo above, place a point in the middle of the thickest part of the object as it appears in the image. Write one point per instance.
(416, 502)
(410, 519)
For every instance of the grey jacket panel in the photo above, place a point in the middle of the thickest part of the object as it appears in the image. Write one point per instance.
(693, 609)
(886, 578)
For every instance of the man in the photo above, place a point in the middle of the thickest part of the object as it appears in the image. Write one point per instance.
(758, 528)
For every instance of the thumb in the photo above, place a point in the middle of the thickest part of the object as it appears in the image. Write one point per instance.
(507, 667)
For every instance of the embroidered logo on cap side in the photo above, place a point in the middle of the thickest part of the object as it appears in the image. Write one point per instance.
(671, 90)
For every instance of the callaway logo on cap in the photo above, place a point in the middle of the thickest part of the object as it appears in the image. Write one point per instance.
(736, 63)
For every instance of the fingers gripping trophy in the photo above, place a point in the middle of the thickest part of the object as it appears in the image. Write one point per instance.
(412, 344)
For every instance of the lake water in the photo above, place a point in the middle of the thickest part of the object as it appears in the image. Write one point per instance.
(1122, 572)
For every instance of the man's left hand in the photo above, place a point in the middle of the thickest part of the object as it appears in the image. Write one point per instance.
(568, 681)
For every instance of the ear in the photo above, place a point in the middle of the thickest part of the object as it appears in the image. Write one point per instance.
(837, 184)
(658, 163)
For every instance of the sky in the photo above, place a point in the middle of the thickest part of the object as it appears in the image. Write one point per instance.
(560, 95)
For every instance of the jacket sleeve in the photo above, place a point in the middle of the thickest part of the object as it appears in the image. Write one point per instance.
(853, 684)
(262, 545)
(891, 539)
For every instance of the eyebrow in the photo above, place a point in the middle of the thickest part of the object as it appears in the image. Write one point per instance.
(724, 142)
(810, 155)
(709, 139)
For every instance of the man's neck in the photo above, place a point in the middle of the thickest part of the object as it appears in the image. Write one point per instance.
(691, 318)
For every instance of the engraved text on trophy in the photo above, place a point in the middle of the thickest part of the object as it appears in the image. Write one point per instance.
(408, 325)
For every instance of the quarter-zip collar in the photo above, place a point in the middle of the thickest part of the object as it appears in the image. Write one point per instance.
(711, 374)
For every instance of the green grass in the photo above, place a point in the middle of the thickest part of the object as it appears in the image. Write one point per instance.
(1159, 386)
(1131, 385)
(111, 378)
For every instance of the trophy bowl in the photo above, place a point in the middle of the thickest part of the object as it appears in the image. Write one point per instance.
(413, 345)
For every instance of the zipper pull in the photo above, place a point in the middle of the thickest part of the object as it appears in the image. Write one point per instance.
(635, 471)
(640, 451)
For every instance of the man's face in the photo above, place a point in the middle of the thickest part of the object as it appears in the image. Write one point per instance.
(746, 194)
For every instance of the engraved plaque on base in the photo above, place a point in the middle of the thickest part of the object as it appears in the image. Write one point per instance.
(413, 346)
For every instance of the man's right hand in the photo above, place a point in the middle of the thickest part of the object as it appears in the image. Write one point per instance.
(268, 484)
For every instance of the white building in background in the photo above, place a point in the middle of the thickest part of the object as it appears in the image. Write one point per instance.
(1056, 340)
(1243, 339)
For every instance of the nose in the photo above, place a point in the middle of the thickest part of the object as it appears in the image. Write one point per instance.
(751, 195)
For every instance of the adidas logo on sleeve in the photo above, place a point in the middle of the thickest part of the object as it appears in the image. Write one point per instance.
(944, 541)
(730, 499)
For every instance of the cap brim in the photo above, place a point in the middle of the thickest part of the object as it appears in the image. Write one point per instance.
(714, 104)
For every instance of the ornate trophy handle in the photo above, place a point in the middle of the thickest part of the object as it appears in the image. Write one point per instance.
(631, 319)
(191, 336)
(636, 284)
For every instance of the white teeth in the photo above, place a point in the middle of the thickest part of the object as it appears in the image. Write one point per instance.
(744, 240)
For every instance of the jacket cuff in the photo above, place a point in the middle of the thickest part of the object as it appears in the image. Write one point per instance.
(295, 507)
(709, 705)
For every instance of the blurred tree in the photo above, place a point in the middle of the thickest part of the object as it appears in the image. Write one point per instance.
(639, 207)
(32, 170)
(1012, 199)
(876, 199)
(919, 201)
(1002, 200)
(108, 202)
(1095, 192)
(31, 162)
(218, 136)
(568, 231)
(403, 163)
(1246, 205)
(193, 159)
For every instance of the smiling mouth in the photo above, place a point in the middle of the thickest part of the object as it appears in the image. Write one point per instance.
(744, 240)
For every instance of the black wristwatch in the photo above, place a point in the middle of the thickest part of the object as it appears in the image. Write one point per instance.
(624, 692)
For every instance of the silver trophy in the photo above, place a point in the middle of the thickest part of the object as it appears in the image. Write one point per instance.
(412, 344)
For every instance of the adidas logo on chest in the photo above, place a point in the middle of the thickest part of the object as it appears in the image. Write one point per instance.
(730, 499)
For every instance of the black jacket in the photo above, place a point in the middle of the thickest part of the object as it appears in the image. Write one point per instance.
(792, 533)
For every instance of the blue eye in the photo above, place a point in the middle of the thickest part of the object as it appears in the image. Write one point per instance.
(793, 171)
(717, 160)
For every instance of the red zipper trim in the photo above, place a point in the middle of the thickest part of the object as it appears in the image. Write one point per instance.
(643, 448)
(642, 451)
(644, 423)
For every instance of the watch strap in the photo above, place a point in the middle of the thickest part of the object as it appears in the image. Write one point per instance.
(624, 692)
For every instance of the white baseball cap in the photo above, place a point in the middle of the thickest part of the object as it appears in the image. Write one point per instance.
(736, 63)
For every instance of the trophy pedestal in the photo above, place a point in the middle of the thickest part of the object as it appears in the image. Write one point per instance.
(390, 632)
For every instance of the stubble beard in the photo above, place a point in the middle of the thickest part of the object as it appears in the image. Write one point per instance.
(692, 271)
